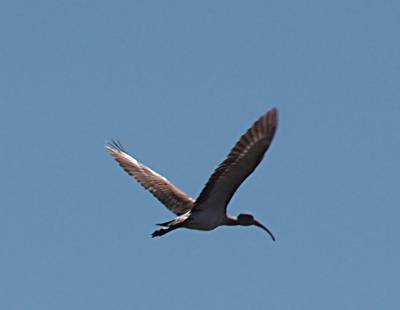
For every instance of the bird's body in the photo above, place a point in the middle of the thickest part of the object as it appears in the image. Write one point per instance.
(208, 211)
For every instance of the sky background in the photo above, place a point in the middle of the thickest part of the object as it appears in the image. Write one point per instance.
(178, 82)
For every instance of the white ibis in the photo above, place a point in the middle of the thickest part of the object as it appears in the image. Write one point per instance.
(208, 211)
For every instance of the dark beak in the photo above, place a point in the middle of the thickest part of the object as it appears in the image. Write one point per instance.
(265, 228)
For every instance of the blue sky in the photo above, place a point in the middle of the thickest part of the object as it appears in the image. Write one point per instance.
(178, 83)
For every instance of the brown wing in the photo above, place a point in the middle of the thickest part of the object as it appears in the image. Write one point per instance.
(240, 163)
(170, 195)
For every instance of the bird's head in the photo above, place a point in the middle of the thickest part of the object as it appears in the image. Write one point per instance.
(246, 219)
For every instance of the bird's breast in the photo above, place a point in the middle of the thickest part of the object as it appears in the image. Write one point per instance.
(204, 220)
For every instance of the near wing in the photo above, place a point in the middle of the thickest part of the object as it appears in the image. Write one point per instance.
(240, 163)
(170, 195)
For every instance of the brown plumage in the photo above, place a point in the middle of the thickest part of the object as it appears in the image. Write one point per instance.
(208, 211)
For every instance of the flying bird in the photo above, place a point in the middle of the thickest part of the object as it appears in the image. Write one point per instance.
(208, 211)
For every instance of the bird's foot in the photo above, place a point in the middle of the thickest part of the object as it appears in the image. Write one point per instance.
(160, 232)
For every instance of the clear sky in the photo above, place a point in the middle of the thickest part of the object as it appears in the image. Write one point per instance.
(178, 82)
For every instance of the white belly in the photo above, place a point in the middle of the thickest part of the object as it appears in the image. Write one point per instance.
(204, 220)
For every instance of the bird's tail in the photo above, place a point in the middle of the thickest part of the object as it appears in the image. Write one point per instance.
(166, 224)
(175, 222)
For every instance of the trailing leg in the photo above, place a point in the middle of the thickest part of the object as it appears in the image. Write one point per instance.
(163, 231)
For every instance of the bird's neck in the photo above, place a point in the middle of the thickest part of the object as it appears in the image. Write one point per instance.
(230, 220)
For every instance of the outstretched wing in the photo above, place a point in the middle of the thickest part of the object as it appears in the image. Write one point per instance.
(170, 195)
(240, 163)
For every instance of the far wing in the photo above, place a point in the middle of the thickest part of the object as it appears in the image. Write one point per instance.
(240, 163)
(170, 195)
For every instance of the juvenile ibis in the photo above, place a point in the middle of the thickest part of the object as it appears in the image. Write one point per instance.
(208, 211)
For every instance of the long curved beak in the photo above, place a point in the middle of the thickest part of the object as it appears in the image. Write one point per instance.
(265, 228)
